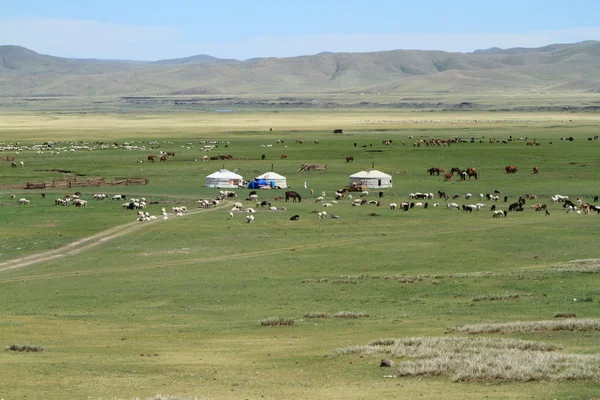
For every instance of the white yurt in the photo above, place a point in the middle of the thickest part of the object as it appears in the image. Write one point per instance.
(371, 179)
(223, 179)
(273, 179)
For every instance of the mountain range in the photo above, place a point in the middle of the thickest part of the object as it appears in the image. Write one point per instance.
(554, 68)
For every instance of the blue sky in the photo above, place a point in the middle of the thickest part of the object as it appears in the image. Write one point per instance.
(151, 29)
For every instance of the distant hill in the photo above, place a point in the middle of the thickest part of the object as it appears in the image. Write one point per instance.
(558, 67)
(198, 59)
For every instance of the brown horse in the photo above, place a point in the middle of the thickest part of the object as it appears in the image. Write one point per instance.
(349, 158)
(170, 153)
(293, 195)
(448, 176)
(152, 157)
(510, 169)
(163, 158)
(471, 172)
(284, 156)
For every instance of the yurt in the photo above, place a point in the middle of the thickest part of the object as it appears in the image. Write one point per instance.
(223, 179)
(371, 179)
(272, 180)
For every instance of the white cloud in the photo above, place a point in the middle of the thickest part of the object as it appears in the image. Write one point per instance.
(93, 39)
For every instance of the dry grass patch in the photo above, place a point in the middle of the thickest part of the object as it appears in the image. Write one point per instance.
(493, 297)
(277, 321)
(350, 314)
(25, 348)
(585, 324)
(564, 315)
(481, 359)
(316, 315)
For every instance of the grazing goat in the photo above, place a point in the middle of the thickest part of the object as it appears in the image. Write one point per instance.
(322, 214)
(250, 218)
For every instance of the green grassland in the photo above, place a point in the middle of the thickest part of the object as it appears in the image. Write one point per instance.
(175, 307)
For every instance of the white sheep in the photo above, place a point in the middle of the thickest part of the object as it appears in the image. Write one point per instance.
(250, 218)
(318, 199)
(452, 206)
(250, 210)
(327, 205)
(23, 201)
(322, 214)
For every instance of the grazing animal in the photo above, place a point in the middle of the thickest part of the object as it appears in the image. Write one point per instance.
(535, 170)
(293, 195)
(472, 173)
(230, 215)
(510, 169)
(23, 201)
(170, 153)
(152, 158)
(205, 158)
(499, 214)
(434, 170)
(250, 218)
(163, 158)
(493, 207)
(43, 195)
(453, 206)
(295, 218)
(349, 158)
(22, 164)
(284, 156)
(13, 164)
(322, 214)
(335, 216)
(447, 176)
(393, 206)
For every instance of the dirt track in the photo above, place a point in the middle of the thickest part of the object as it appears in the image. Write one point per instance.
(83, 244)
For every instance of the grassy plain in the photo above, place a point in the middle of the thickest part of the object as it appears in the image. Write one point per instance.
(176, 306)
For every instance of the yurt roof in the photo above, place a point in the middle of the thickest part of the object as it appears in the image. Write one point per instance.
(224, 173)
(270, 175)
(372, 173)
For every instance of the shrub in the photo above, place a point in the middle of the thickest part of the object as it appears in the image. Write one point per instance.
(350, 314)
(27, 348)
(276, 321)
(316, 315)
(564, 315)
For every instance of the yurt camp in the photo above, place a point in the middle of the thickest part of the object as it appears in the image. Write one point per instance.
(223, 179)
(371, 178)
(268, 180)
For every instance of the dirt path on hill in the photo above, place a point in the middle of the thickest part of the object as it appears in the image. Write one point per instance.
(85, 243)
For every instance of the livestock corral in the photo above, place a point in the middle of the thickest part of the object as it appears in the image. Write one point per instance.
(474, 276)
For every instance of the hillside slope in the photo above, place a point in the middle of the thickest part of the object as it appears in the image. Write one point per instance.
(560, 67)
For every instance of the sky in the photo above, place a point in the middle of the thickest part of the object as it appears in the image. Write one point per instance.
(242, 29)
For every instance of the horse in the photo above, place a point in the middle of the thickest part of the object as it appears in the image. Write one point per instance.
(471, 172)
(434, 170)
(284, 156)
(152, 157)
(163, 158)
(535, 170)
(510, 169)
(457, 170)
(349, 158)
(170, 153)
(448, 176)
(293, 195)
